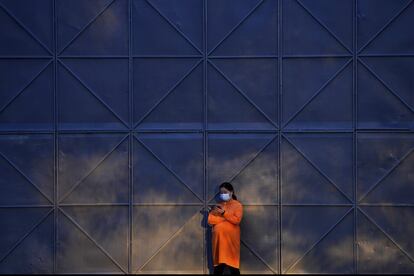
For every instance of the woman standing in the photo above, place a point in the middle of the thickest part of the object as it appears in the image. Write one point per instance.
(225, 218)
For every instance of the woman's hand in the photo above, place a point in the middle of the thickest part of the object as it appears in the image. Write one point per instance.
(218, 210)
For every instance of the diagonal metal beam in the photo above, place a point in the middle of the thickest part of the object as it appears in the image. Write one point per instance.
(26, 177)
(93, 93)
(172, 25)
(324, 26)
(175, 234)
(399, 162)
(27, 30)
(257, 255)
(168, 93)
(385, 85)
(243, 94)
(236, 26)
(77, 225)
(3, 108)
(336, 74)
(26, 235)
(319, 240)
(317, 168)
(170, 170)
(85, 27)
(385, 26)
(386, 234)
(93, 169)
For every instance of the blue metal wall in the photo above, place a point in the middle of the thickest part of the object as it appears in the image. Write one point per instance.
(119, 118)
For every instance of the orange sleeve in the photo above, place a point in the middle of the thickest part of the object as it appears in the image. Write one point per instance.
(235, 215)
(214, 219)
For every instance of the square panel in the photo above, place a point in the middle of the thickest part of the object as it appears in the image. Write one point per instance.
(171, 98)
(98, 101)
(322, 98)
(384, 168)
(26, 169)
(92, 27)
(308, 174)
(176, 27)
(237, 102)
(383, 243)
(93, 168)
(164, 242)
(28, 31)
(313, 27)
(384, 93)
(26, 94)
(317, 239)
(26, 240)
(249, 29)
(383, 27)
(248, 161)
(178, 161)
(92, 239)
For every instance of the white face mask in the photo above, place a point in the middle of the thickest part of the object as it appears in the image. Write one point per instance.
(225, 197)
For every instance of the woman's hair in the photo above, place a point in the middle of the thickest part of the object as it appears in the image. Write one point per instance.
(228, 187)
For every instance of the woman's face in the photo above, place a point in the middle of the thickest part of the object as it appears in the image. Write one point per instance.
(225, 191)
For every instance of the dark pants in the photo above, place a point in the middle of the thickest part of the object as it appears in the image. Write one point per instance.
(223, 269)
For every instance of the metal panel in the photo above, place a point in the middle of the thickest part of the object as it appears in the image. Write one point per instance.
(119, 118)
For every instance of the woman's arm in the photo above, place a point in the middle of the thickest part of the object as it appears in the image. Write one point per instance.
(234, 215)
(214, 219)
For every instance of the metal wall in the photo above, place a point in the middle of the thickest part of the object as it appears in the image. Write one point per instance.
(118, 119)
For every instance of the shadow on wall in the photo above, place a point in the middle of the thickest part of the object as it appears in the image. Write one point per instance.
(207, 241)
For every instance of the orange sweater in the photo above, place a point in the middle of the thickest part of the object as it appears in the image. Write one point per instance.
(226, 234)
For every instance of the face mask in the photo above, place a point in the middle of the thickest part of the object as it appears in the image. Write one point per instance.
(225, 197)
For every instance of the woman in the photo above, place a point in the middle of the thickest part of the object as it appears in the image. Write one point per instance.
(225, 218)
